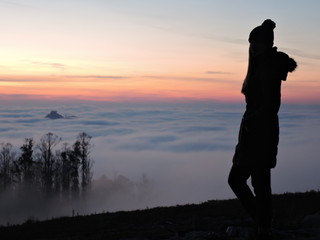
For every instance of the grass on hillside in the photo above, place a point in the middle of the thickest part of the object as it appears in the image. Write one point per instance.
(161, 222)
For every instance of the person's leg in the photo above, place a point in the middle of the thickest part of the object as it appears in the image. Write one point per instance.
(261, 182)
(238, 182)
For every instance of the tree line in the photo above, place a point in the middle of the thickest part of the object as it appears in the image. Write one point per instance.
(41, 166)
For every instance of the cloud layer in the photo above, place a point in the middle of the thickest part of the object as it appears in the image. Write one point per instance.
(185, 150)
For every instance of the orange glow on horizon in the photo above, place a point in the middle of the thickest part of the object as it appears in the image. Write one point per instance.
(212, 86)
(107, 87)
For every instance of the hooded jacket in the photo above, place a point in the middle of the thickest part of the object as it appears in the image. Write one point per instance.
(259, 130)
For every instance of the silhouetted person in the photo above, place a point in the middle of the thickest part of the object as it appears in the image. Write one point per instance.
(257, 146)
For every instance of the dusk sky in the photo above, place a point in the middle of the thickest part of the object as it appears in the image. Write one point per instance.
(149, 50)
(156, 83)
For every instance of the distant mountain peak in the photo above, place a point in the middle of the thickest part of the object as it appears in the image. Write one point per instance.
(54, 115)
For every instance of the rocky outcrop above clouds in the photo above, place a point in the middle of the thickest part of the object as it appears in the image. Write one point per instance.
(54, 115)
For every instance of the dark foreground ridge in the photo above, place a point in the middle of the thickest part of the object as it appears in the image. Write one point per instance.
(296, 216)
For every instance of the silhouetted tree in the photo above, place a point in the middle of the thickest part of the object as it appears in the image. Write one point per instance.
(57, 174)
(7, 157)
(26, 163)
(66, 169)
(74, 171)
(65, 172)
(46, 146)
(82, 149)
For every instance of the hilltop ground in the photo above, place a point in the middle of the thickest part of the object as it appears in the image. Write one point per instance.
(295, 217)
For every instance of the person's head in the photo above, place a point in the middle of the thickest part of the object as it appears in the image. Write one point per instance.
(261, 38)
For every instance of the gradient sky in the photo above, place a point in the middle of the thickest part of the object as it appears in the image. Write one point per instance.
(148, 49)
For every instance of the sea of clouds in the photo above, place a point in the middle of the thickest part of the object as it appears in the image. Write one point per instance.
(160, 154)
